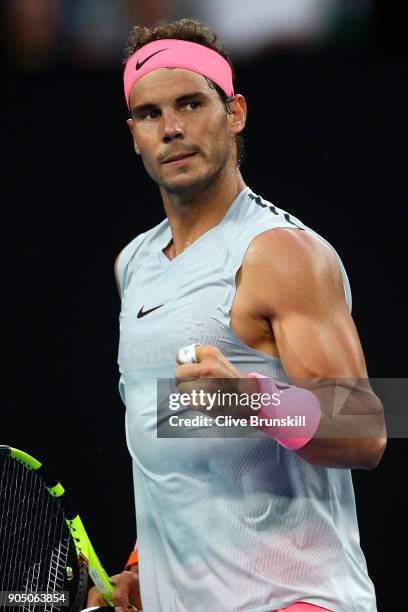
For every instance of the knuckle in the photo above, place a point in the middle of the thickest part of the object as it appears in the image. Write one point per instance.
(211, 351)
(206, 370)
(119, 598)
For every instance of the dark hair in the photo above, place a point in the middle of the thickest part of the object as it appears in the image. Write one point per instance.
(193, 31)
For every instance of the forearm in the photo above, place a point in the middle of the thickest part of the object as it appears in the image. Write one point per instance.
(341, 424)
(357, 453)
(351, 432)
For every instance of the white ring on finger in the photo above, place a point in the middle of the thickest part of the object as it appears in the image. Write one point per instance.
(187, 354)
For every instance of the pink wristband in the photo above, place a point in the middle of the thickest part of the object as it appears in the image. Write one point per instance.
(292, 415)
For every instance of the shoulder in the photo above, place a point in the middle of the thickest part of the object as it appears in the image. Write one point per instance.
(123, 258)
(129, 249)
(134, 248)
(256, 210)
(290, 264)
(290, 245)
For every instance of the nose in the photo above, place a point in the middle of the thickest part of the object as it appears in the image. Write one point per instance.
(172, 128)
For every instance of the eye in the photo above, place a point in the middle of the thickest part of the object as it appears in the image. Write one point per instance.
(153, 114)
(147, 114)
(193, 104)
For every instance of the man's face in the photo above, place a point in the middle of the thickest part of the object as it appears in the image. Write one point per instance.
(181, 129)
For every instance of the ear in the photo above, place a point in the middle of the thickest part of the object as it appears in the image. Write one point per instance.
(238, 115)
(130, 126)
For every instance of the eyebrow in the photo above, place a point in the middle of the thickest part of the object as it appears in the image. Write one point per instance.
(142, 108)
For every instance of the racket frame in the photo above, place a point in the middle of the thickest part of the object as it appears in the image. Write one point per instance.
(87, 557)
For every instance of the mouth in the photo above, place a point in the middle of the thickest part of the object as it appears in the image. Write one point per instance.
(180, 158)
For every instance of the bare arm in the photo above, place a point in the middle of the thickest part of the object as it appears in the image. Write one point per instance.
(297, 286)
(116, 272)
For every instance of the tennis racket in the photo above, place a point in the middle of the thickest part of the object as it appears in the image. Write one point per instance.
(44, 548)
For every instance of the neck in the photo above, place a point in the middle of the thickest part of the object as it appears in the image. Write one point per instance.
(191, 215)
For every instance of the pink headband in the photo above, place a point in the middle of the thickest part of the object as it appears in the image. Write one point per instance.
(174, 53)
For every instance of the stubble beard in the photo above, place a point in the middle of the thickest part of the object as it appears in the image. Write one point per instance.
(191, 191)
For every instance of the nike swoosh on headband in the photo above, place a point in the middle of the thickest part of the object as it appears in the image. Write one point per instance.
(140, 64)
(141, 314)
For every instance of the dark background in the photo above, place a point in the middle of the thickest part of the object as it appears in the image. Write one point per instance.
(324, 141)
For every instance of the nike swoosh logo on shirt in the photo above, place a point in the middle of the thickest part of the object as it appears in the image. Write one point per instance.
(141, 314)
(140, 64)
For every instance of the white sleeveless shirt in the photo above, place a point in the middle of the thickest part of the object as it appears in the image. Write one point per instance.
(234, 523)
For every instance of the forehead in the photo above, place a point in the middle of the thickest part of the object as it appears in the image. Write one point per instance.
(168, 83)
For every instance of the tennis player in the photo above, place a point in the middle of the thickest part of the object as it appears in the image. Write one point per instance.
(249, 293)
